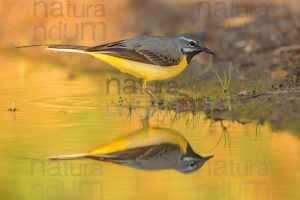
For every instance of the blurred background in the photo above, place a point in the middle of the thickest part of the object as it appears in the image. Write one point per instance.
(122, 19)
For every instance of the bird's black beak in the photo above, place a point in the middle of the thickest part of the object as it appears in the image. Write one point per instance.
(208, 157)
(190, 152)
(207, 50)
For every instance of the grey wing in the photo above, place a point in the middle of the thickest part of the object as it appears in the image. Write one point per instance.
(144, 49)
(136, 51)
(150, 153)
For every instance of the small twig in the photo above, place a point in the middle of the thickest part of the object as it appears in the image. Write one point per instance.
(13, 106)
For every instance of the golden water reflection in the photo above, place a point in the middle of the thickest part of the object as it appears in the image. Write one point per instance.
(56, 115)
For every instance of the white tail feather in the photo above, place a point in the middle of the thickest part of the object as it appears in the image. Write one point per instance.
(68, 157)
(66, 50)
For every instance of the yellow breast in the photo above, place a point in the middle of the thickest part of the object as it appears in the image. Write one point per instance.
(145, 71)
(141, 138)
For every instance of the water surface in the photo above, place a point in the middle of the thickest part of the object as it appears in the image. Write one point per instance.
(58, 115)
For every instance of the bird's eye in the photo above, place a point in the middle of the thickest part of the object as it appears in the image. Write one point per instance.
(192, 164)
(192, 43)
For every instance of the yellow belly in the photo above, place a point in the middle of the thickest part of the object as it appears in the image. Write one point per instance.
(141, 138)
(145, 71)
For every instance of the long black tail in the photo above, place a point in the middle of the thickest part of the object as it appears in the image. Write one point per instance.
(59, 47)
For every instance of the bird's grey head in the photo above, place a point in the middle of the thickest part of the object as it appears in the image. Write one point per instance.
(191, 45)
(190, 161)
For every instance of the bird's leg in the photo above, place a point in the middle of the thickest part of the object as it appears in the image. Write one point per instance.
(144, 84)
(148, 91)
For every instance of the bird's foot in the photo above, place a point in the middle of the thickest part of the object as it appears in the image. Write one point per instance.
(150, 93)
(183, 95)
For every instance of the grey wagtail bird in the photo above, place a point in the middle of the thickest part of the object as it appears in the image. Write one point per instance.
(147, 57)
(157, 149)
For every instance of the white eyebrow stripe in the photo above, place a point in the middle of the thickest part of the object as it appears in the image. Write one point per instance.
(188, 39)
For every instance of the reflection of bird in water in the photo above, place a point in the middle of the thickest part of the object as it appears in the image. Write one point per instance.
(158, 148)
